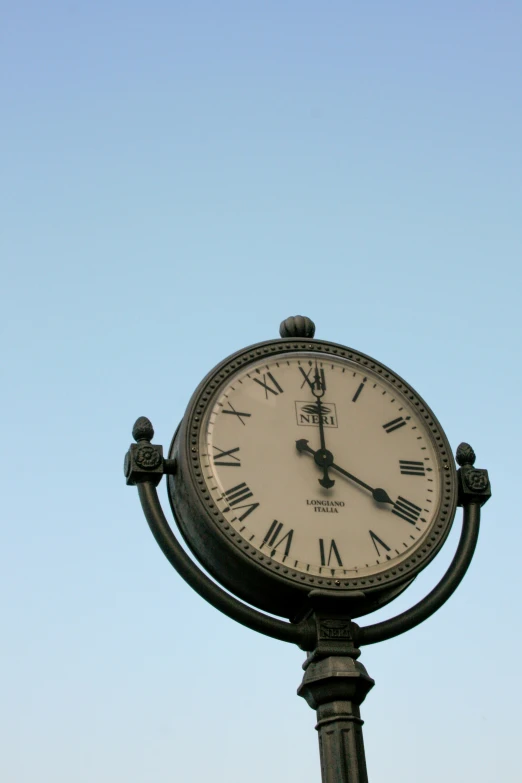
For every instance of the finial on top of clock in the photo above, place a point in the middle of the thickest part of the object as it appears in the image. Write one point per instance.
(465, 455)
(143, 429)
(297, 326)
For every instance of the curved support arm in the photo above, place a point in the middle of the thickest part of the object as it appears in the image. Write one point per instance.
(379, 632)
(207, 589)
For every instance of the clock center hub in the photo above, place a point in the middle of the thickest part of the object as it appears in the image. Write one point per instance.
(324, 458)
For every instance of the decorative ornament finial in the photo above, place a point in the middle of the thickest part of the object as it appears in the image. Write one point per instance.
(465, 455)
(143, 429)
(297, 326)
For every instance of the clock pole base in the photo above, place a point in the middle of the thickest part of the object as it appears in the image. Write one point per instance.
(335, 684)
(335, 687)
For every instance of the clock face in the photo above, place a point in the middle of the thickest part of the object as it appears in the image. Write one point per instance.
(324, 468)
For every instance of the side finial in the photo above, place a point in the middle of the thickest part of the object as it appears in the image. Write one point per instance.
(143, 429)
(465, 455)
(297, 326)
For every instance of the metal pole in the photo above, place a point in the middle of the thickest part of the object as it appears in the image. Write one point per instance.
(336, 686)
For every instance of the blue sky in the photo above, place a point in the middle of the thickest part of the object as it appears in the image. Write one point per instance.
(177, 179)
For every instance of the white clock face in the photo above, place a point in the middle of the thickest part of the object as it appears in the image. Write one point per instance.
(322, 465)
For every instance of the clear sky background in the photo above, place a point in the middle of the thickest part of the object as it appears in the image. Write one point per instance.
(177, 178)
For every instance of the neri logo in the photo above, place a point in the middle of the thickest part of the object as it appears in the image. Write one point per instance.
(307, 413)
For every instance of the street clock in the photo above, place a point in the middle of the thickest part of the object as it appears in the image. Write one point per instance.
(305, 465)
(313, 483)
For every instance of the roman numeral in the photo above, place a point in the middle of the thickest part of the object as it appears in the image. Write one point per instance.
(233, 412)
(332, 551)
(359, 390)
(271, 538)
(319, 381)
(238, 495)
(406, 510)
(219, 458)
(411, 468)
(395, 424)
(306, 376)
(377, 542)
(267, 386)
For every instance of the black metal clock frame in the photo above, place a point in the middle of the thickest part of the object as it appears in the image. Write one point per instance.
(243, 569)
(335, 683)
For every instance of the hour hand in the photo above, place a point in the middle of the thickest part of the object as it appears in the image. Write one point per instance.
(302, 446)
(322, 457)
(326, 481)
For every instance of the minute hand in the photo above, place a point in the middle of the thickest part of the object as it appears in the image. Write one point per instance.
(378, 494)
(318, 389)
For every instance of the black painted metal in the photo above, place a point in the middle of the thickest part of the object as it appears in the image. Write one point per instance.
(300, 634)
(474, 486)
(387, 629)
(223, 553)
(335, 687)
(334, 684)
(297, 326)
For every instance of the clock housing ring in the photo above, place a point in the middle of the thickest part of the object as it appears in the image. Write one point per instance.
(243, 569)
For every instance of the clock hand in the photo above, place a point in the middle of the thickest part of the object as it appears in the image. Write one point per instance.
(318, 389)
(324, 457)
(326, 481)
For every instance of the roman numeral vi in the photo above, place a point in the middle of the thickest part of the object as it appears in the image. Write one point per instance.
(333, 551)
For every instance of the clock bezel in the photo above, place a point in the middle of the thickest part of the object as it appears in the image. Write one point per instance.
(243, 569)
